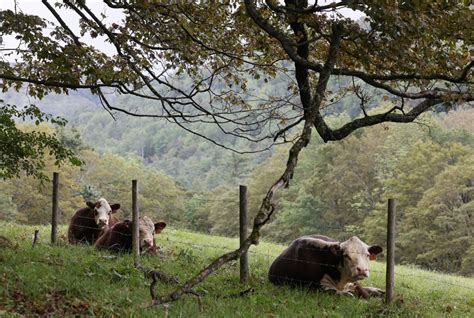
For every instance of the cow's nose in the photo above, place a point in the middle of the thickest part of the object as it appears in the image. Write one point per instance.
(147, 243)
(362, 271)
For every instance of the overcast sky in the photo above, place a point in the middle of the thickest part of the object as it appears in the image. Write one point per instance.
(71, 19)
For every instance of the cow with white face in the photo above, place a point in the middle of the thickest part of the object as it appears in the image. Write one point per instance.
(88, 224)
(102, 212)
(119, 237)
(146, 231)
(321, 262)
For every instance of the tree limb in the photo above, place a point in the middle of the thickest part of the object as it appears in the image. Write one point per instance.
(267, 207)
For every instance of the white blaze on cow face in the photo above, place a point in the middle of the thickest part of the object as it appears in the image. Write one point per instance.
(102, 212)
(146, 229)
(356, 258)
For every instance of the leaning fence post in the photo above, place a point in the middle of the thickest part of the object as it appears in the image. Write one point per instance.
(244, 263)
(390, 273)
(35, 237)
(135, 217)
(54, 216)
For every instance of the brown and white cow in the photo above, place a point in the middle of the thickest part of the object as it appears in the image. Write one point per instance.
(321, 262)
(119, 237)
(87, 224)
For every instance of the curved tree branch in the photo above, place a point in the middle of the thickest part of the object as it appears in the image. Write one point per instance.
(267, 207)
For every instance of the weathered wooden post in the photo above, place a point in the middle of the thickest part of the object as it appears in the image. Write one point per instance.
(135, 217)
(244, 263)
(390, 273)
(54, 218)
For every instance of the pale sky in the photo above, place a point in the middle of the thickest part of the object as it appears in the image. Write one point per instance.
(69, 17)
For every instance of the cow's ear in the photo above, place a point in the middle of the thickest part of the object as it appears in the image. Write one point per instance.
(115, 207)
(336, 249)
(90, 204)
(159, 227)
(374, 250)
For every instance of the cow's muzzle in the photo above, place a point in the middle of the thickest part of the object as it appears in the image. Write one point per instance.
(101, 224)
(362, 273)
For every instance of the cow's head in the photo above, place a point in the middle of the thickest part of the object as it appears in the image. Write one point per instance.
(102, 211)
(356, 255)
(147, 230)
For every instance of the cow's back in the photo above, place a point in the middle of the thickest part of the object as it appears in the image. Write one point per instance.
(117, 238)
(305, 265)
(82, 227)
(113, 220)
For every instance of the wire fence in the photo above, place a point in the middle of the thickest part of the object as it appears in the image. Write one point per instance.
(261, 258)
(257, 255)
(269, 257)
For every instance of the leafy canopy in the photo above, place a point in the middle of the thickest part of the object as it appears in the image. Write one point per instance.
(415, 54)
(26, 150)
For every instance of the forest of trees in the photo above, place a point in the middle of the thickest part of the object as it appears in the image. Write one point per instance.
(428, 167)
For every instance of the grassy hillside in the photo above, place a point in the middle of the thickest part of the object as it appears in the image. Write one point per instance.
(67, 280)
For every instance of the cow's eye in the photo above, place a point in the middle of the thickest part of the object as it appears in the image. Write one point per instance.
(347, 256)
(96, 212)
(110, 212)
(368, 255)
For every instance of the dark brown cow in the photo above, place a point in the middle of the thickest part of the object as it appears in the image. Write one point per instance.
(87, 224)
(321, 262)
(119, 237)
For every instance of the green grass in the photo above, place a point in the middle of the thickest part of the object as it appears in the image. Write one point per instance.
(77, 280)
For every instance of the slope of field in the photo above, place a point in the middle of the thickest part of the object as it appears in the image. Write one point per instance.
(77, 280)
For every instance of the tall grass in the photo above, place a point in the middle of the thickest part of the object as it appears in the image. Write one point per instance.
(67, 280)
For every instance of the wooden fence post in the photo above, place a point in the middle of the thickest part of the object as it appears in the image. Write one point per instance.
(35, 237)
(54, 218)
(244, 263)
(135, 217)
(390, 273)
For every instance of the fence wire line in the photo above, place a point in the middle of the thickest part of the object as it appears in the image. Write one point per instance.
(292, 204)
(340, 228)
(229, 248)
(97, 229)
(257, 197)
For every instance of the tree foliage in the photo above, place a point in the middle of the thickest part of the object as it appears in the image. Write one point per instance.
(219, 45)
(24, 150)
(27, 199)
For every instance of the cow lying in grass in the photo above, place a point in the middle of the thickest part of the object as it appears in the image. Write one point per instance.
(321, 262)
(88, 224)
(119, 237)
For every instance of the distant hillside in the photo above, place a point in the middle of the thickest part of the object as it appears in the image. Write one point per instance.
(189, 159)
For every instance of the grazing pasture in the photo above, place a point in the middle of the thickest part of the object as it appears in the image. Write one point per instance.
(80, 280)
